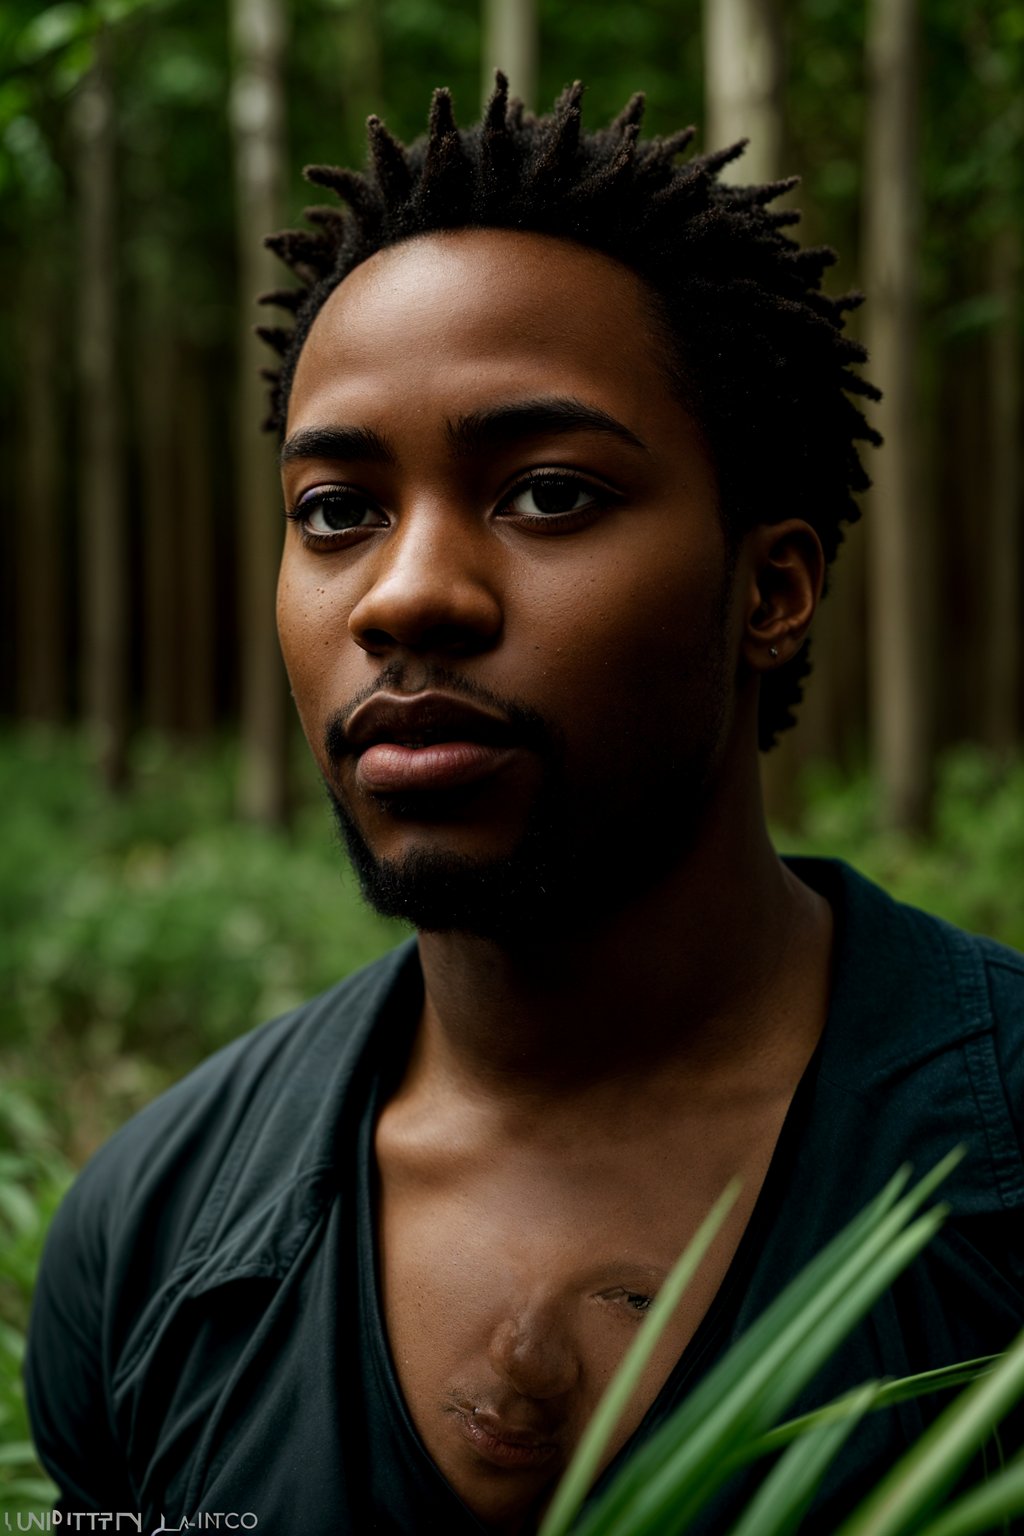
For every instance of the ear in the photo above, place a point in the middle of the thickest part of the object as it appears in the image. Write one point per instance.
(785, 573)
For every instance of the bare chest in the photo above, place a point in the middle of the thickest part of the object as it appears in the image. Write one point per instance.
(515, 1275)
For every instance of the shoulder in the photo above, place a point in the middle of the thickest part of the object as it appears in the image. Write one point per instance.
(924, 1052)
(1004, 972)
(965, 976)
(250, 1122)
(1004, 968)
(225, 1173)
(925, 1014)
(888, 952)
(930, 1018)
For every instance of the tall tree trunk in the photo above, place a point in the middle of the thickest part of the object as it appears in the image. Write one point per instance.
(360, 66)
(510, 44)
(257, 116)
(1003, 674)
(103, 557)
(198, 680)
(743, 66)
(157, 395)
(41, 540)
(743, 62)
(898, 549)
(960, 441)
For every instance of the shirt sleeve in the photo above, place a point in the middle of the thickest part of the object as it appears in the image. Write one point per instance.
(65, 1382)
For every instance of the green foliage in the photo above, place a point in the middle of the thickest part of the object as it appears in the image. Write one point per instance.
(969, 869)
(157, 927)
(33, 1177)
(52, 28)
(725, 1422)
(616, 50)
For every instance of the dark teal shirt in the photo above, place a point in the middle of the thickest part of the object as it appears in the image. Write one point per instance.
(206, 1333)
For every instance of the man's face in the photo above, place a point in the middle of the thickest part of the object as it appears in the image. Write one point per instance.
(506, 601)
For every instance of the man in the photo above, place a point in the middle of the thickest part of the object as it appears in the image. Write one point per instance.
(566, 445)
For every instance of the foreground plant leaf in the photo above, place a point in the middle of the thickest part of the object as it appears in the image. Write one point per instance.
(710, 1452)
(671, 1478)
(719, 1425)
(930, 1468)
(786, 1493)
(580, 1474)
(985, 1507)
(903, 1389)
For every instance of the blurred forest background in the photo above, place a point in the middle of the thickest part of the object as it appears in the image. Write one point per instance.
(167, 874)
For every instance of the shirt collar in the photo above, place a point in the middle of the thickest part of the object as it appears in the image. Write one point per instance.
(906, 987)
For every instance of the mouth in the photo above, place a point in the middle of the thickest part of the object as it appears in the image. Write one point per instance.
(499, 1443)
(426, 742)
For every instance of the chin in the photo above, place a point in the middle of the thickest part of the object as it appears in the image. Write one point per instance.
(440, 892)
(510, 896)
(507, 1501)
(555, 879)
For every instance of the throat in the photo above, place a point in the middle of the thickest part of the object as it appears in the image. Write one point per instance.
(744, 991)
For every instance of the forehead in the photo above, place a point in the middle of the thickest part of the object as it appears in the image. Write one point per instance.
(481, 314)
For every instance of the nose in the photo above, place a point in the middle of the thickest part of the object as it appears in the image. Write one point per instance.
(535, 1355)
(432, 588)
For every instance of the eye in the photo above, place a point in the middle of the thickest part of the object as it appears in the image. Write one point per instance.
(635, 1302)
(337, 509)
(554, 495)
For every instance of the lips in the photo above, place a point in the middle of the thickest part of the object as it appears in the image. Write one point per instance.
(502, 1445)
(421, 719)
(426, 742)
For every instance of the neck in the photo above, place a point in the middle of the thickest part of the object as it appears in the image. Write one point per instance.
(721, 965)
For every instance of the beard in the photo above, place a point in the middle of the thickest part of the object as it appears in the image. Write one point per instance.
(580, 856)
(503, 898)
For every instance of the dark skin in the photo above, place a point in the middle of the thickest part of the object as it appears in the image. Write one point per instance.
(577, 1097)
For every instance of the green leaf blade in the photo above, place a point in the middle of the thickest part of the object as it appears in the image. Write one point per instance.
(702, 1446)
(786, 1493)
(903, 1389)
(931, 1467)
(984, 1508)
(581, 1470)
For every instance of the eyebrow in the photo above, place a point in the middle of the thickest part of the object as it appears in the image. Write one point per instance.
(504, 424)
(359, 444)
(472, 434)
(627, 1273)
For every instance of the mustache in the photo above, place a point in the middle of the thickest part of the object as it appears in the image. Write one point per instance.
(530, 728)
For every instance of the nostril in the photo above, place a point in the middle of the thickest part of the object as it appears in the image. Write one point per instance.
(450, 639)
(453, 638)
(377, 639)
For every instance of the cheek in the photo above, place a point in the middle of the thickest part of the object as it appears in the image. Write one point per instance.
(312, 624)
(626, 626)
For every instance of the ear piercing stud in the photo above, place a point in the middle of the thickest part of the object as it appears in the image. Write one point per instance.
(773, 652)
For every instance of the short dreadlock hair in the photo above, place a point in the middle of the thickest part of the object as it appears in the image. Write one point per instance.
(758, 351)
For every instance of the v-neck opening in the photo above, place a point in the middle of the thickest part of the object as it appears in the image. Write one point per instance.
(703, 1347)
(711, 1332)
